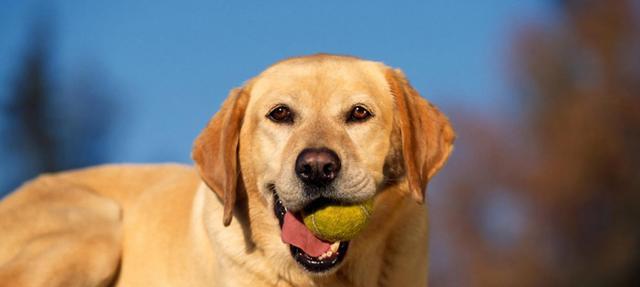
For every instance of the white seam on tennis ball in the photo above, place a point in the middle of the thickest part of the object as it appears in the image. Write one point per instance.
(313, 220)
(364, 209)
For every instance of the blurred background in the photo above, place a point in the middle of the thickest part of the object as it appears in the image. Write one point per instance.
(543, 188)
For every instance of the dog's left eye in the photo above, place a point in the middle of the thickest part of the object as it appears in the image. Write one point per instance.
(358, 114)
(281, 114)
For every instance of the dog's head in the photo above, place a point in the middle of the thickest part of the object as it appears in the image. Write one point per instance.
(321, 127)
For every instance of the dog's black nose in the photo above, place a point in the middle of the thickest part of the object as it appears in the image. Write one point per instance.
(317, 166)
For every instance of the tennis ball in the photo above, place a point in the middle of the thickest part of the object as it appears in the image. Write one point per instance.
(337, 222)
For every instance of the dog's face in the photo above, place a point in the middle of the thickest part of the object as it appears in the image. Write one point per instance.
(321, 128)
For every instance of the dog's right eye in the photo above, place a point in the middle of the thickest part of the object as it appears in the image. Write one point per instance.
(281, 114)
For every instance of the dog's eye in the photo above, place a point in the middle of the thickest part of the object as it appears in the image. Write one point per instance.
(281, 114)
(359, 114)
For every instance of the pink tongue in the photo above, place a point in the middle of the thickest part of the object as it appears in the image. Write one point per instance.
(295, 233)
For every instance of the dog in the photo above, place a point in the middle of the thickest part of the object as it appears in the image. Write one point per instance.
(319, 127)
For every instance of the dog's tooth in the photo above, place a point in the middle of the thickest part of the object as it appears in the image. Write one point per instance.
(334, 246)
(327, 254)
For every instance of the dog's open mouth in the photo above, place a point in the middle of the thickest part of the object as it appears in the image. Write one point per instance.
(312, 253)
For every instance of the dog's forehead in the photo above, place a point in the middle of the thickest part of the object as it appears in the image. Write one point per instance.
(321, 75)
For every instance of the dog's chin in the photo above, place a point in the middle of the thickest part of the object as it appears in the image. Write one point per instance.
(316, 265)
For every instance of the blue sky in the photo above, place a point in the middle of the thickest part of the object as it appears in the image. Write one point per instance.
(170, 64)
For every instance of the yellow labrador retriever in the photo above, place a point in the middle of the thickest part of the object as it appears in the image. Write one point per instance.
(320, 127)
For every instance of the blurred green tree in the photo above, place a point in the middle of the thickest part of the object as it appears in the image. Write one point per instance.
(54, 125)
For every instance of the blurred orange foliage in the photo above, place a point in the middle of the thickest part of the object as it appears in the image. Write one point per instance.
(553, 198)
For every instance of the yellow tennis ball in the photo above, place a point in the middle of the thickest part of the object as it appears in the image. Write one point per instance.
(337, 222)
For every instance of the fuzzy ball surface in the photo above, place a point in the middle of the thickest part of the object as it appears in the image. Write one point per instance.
(337, 222)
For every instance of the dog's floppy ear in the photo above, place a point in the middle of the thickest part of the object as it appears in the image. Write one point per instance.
(215, 151)
(427, 136)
